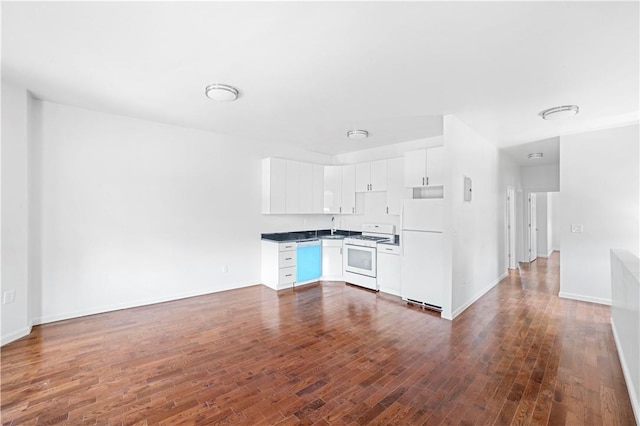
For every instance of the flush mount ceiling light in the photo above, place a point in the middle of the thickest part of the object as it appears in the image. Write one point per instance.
(357, 134)
(534, 155)
(221, 92)
(557, 113)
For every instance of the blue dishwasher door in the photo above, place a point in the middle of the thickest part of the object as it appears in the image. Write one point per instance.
(308, 260)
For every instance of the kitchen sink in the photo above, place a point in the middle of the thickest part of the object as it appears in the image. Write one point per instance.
(333, 237)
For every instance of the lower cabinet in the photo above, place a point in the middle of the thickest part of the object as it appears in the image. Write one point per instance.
(389, 269)
(332, 260)
(278, 264)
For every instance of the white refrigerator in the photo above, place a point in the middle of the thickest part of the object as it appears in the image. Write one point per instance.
(421, 260)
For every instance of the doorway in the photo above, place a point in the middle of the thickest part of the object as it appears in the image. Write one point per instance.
(512, 261)
(533, 228)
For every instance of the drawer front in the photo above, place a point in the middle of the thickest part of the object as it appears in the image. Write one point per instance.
(287, 259)
(288, 246)
(389, 249)
(287, 275)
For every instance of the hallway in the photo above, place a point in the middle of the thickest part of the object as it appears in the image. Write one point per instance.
(542, 275)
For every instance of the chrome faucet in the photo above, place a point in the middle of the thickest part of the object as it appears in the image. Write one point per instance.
(333, 224)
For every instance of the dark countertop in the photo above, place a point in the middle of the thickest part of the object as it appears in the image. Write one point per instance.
(279, 237)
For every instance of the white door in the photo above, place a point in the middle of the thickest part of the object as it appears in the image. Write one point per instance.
(533, 231)
(511, 228)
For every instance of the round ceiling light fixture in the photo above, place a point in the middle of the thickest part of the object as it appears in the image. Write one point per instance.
(534, 155)
(559, 112)
(221, 92)
(357, 134)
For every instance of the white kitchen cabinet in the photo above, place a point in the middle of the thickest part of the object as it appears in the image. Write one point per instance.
(292, 187)
(371, 176)
(332, 260)
(292, 199)
(317, 188)
(396, 191)
(278, 264)
(389, 269)
(274, 177)
(424, 167)
(332, 189)
(339, 189)
(305, 193)
(348, 189)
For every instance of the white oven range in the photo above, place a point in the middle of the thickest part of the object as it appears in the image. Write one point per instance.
(360, 254)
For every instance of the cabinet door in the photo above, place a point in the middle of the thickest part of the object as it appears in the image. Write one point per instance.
(435, 166)
(415, 165)
(389, 273)
(332, 198)
(363, 177)
(317, 188)
(378, 181)
(348, 189)
(332, 262)
(274, 177)
(396, 191)
(306, 188)
(292, 200)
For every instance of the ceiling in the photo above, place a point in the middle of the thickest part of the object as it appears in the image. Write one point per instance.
(550, 148)
(309, 71)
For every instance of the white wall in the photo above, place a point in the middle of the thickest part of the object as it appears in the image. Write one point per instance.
(14, 212)
(135, 212)
(600, 177)
(543, 178)
(478, 227)
(554, 198)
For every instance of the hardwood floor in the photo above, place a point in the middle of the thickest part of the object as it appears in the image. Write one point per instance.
(324, 354)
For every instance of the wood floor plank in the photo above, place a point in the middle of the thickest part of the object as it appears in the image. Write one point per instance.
(327, 353)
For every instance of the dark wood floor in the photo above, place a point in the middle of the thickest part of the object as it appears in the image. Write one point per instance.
(324, 354)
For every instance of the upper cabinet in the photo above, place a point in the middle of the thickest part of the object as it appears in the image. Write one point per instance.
(371, 176)
(348, 189)
(291, 187)
(317, 188)
(332, 189)
(424, 167)
(292, 199)
(339, 189)
(396, 191)
(295, 187)
(274, 178)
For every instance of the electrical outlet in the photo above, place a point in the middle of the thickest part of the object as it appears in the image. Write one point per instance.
(577, 228)
(225, 268)
(9, 296)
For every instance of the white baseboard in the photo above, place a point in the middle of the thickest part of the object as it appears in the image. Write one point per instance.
(547, 255)
(134, 304)
(633, 393)
(584, 298)
(11, 337)
(478, 296)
